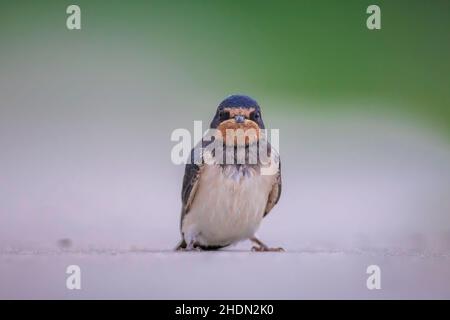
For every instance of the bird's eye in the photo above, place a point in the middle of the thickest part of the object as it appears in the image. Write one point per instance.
(224, 115)
(255, 115)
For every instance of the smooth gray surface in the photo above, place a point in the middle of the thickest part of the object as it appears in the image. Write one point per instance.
(224, 275)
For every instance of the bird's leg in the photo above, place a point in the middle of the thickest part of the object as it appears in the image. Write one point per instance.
(261, 247)
(192, 246)
(186, 246)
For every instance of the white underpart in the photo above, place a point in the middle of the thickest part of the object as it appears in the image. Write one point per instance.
(228, 206)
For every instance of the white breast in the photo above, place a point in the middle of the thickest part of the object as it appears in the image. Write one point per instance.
(228, 206)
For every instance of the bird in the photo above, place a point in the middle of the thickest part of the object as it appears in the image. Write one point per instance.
(224, 202)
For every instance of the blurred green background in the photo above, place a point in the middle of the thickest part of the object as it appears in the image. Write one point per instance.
(317, 51)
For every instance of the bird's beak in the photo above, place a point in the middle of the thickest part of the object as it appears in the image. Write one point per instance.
(239, 119)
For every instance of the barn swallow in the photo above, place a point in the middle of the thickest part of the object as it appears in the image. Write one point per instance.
(224, 203)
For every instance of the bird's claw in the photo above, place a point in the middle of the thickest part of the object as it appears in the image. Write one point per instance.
(266, 249)
(190, 248)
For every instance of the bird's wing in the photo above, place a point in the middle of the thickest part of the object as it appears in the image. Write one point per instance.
(275, 193)
(190, 185)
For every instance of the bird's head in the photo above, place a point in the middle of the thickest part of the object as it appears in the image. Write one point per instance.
(238, 115)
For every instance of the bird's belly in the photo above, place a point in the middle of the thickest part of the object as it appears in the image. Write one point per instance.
(226, 208)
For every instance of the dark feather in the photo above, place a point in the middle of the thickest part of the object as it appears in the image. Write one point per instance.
(192, 172)
(190, 185)
(275, 194)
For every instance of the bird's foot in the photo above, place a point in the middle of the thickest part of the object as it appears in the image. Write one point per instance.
(266, 249)
(190, 249)
(191, 246)
(261, 247)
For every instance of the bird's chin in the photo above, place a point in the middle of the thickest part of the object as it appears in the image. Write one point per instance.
(239, 134)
